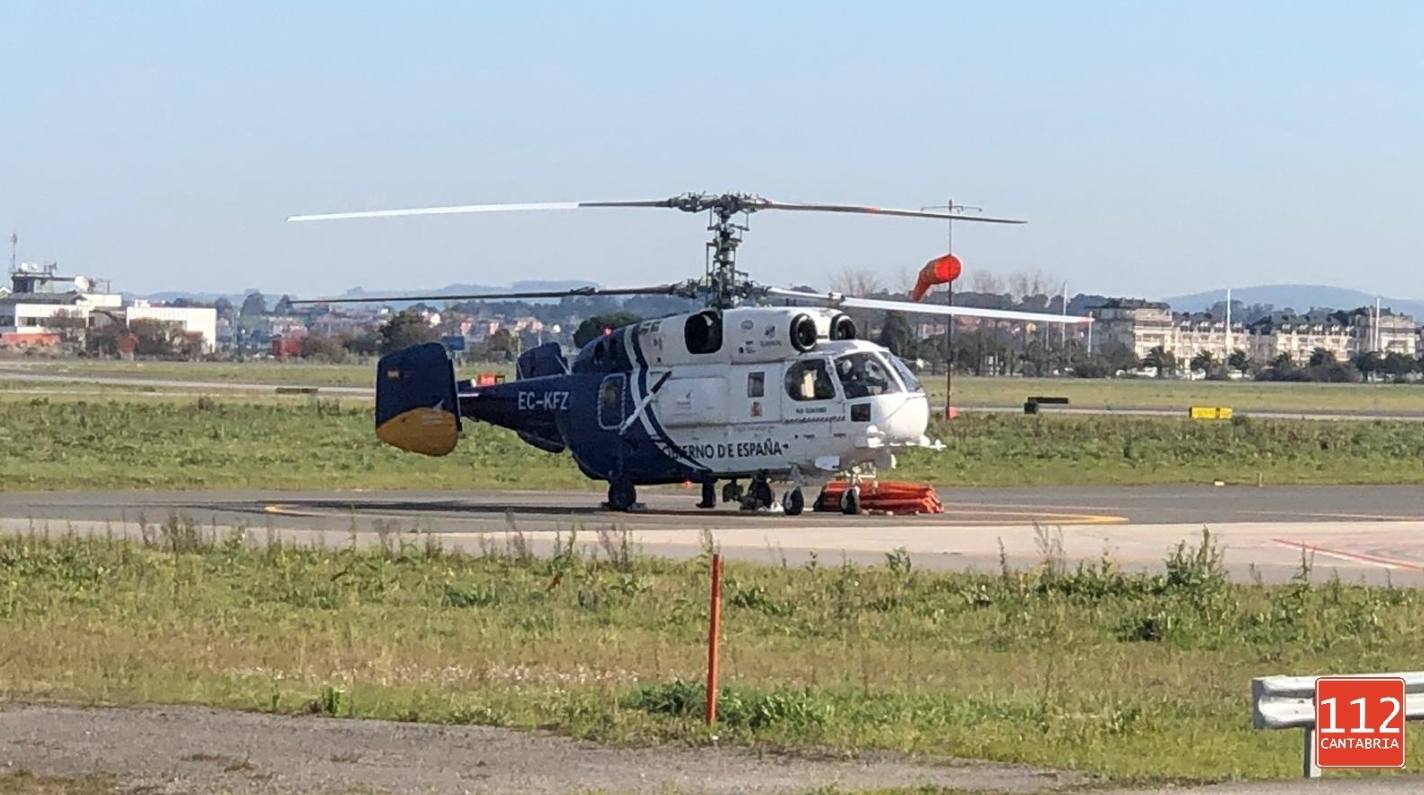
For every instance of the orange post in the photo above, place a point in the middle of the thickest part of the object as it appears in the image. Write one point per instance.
(715, 623)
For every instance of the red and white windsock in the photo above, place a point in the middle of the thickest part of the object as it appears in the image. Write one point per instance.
(940, 270)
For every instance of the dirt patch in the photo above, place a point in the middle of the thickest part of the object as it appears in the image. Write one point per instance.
(183, 749)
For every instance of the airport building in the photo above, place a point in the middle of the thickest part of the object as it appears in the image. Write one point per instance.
(43, 308)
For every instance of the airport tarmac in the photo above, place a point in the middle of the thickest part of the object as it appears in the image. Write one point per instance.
(1373, 533)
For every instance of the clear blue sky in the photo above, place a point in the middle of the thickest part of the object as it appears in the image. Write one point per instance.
(1155, 147)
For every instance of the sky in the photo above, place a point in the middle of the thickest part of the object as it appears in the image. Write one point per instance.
(1154, 147)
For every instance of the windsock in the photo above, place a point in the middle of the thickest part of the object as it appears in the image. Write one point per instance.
(939, 270)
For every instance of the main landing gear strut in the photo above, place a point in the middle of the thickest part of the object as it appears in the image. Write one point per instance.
(758, 496)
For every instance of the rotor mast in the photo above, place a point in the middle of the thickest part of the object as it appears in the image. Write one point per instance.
(724, 284)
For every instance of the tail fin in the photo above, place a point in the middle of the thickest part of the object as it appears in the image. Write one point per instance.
(417, 408)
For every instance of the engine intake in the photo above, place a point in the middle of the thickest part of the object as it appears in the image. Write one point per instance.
(803, 333)
(842, 328)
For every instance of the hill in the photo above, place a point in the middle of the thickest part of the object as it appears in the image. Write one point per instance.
(1300, 297)
(361, 292)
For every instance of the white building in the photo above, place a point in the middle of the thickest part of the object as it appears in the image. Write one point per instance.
(192, 319)
(27, 318)
(1138, 325)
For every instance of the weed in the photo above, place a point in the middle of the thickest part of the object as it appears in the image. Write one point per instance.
(1084, 666)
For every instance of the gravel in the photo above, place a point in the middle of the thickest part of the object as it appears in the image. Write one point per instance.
(190, 749)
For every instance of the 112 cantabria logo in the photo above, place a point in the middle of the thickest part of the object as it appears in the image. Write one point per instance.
(1359, 722)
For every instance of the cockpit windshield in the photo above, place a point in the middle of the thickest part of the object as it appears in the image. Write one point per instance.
(864, 374)
(907, 377)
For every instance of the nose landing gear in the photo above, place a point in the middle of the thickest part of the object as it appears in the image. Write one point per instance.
(793, 502)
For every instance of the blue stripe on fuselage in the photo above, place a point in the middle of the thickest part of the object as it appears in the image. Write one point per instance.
(670, 446)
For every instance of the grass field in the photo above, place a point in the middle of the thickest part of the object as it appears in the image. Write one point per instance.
(263, 371)
(191, 443)
(1128, 675)
(1173, 394)
(968, 390)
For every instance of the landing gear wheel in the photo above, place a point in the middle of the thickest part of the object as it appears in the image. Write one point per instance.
(850, 501)
(622, 495)
(759, 496)
(793, 502)
(732, 492)
(709, 495)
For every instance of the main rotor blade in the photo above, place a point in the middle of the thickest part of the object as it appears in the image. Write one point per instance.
(658, 289)
(474, 208)
(866, 210)
(837, 300)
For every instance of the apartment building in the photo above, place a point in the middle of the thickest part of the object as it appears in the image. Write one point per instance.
(1140, 325)
(1345, 334)
(1200, 332)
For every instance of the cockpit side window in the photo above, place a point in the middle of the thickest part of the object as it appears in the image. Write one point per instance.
(907, 377)
(864, 375)
(809, 379)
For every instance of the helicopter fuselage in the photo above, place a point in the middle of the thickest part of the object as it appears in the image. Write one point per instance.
(787, 393)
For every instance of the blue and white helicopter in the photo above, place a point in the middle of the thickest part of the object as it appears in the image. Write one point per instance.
(739, 391)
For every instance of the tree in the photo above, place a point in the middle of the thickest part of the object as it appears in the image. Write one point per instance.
(1027, 284)
(156, 338)
(323, 349)
(223, 307)
(1239, 361)
(856, 282)
(1282, 367)
(1368, 363)
(69, 324)
(985, 282)
(1162, 360)
(362, 343)
(284, 306)
(1321, 357)
(1396, 365)
(1204, 362)
(501, 346)
(1119, 357)
(897, 335)
(592, 327)
(404, 329)
(254, 305)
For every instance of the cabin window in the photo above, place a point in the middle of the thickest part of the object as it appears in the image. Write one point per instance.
(810, 379)
(703, 332)
(864, 375)
(756, 384)
(610, 401)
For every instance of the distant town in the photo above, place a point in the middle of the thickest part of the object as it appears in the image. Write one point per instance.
(46, 312)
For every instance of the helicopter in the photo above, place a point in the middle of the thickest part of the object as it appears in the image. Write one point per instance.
(737, 391)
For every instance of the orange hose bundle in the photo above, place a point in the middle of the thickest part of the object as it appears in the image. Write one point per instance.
(883, 496)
